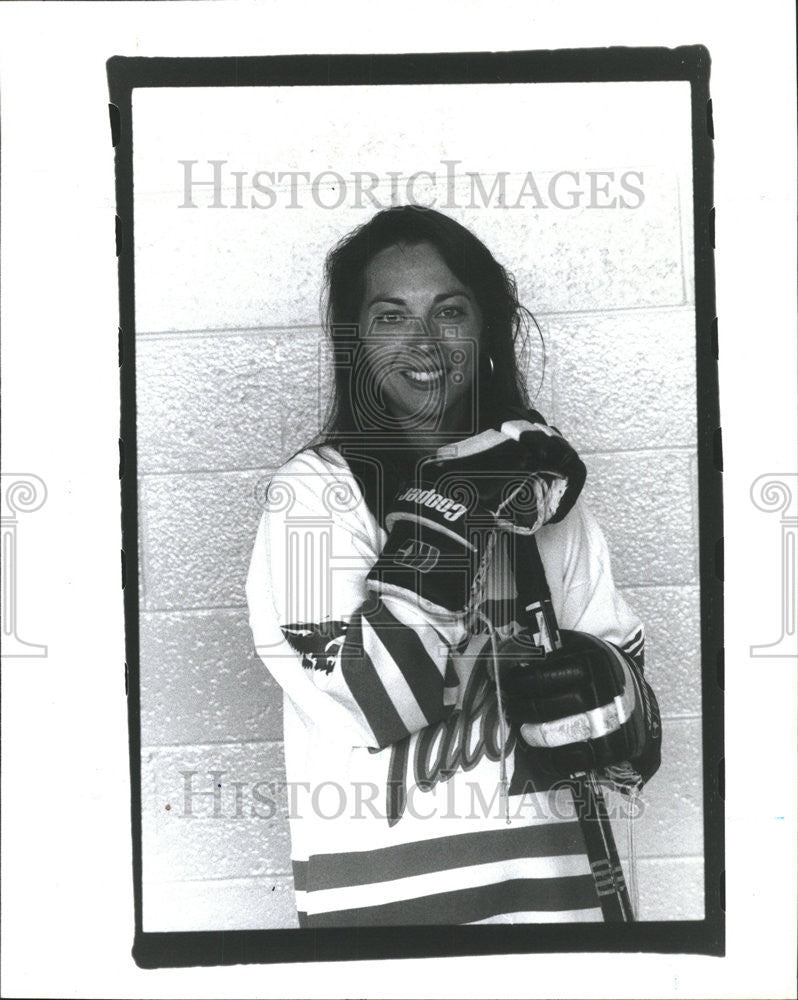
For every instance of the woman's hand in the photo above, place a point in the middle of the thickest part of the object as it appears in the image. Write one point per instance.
(579, 707)
(524, 475)
(517, 478)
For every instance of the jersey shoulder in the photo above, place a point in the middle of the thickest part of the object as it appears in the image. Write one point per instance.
(319, 482)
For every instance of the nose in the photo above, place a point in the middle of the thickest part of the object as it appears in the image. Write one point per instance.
(419, 334)
(422, 329)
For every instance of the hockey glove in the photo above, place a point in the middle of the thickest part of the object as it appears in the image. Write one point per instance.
(526, 474)
(517, 478)
(581, 707)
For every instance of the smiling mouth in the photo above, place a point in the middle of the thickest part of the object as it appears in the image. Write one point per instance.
(423, 378)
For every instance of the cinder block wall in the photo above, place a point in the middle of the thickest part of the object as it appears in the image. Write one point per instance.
(232, 380)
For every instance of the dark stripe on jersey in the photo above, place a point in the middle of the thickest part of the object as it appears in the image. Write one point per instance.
(300, 869)
(303, 918)
(336, 871)
(368, 690)
(410, 655)
(635, 649)
(550, 895)
(636, 640)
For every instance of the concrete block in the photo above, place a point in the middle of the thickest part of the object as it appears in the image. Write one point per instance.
(220, 905)
(378, 130)
(201, 681)
(694, 490)
(197, 533)
(643, 502)
(224, 401)
(214, 812)
(625, 380)
(588, 258)
(688, 236)
(669, 820)
(671, 889)
(204, 268)
(672, 619)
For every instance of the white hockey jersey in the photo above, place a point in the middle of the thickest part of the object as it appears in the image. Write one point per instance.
(393, 741)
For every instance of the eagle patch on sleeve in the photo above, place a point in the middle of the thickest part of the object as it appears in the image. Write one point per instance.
(318, 643)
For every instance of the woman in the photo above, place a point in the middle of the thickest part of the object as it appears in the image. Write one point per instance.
(396, 568)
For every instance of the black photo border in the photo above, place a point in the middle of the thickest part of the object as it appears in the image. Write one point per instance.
(690, 63)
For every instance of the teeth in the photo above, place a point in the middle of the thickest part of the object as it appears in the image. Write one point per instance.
(424, 376)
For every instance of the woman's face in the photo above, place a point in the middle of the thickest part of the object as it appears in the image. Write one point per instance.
(421, 330)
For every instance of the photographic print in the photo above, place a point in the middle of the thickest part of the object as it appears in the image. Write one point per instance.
(421, 504)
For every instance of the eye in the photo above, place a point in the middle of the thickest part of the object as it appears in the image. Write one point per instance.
(388, 317)
(451, 312)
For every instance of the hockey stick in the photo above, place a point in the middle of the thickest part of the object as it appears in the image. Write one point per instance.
(605, 865)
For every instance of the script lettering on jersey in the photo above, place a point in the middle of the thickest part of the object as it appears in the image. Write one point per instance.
(459, 741)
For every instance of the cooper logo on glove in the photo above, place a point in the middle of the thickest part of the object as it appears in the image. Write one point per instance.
(450, 509)
(517, 478)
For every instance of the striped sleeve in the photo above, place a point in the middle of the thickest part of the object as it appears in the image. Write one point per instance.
(373, 669)
(630, 775)
(647, 763)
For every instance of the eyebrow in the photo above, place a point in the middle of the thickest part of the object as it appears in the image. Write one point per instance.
(401, 302)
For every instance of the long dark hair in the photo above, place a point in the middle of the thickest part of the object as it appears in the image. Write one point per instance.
(501, 388)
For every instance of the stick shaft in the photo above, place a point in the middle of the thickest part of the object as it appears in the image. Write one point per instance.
(605, 865)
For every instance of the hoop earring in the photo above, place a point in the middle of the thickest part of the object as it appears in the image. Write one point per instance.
(492, 366)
